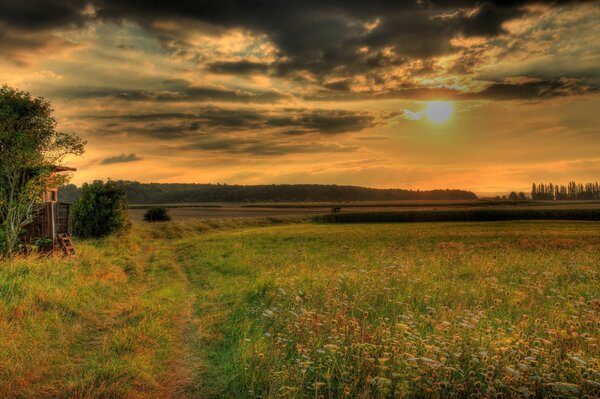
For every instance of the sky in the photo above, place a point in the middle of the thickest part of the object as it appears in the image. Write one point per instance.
(488, 96)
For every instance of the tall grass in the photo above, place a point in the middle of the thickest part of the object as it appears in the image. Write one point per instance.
(469, 310)
(104, 324)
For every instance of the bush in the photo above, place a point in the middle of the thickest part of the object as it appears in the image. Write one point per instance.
(157, 214)
(100, 210)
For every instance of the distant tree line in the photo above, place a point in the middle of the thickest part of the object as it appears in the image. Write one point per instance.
(172, 193)
(513, 196)
(571, 191)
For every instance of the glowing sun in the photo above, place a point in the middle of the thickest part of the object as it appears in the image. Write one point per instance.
(438, 111)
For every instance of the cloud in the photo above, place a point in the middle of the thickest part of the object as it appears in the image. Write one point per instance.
(29, 29)
(42, 15)
(332, 37)
(324, 49)
(264, 148)
(123, 158)
(518, 88)
(534, 89)
(324, 37)
(238, 67)
(187, 93)
(287, 121)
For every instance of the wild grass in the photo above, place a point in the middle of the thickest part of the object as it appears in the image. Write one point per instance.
(419, 310)
(240, 309)
(101, 325)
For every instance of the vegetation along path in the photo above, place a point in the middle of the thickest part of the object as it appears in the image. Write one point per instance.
(252, 308)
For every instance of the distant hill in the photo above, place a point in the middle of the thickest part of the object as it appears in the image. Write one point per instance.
(172, 193)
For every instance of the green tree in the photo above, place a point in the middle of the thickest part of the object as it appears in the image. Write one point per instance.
(100, 210)
(30, 147)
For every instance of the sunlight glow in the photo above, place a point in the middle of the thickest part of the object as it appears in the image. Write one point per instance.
(438, 111)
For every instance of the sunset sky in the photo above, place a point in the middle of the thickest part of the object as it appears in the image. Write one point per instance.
(481, 95)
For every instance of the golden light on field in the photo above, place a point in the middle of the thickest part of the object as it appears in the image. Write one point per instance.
(438, 111)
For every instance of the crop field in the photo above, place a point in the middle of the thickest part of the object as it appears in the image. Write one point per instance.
(265, 308)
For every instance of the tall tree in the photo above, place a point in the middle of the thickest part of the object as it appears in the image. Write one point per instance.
(30, 147)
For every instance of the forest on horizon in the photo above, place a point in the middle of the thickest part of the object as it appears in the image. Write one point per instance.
(167, 193)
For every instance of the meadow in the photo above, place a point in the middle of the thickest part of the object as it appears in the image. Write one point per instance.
(291, 308)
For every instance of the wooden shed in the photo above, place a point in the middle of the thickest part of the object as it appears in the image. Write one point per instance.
(54, 220)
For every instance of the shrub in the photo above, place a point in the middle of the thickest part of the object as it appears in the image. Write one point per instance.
(100, 210)
(157, 214)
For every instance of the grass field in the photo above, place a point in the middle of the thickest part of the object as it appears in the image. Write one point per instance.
(257, 308)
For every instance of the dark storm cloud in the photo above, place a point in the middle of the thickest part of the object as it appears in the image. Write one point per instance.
(319, 36)
(42, 14)
(123, 158)
(213, 120)
(333, 40)
(325, 36)
(27, 26)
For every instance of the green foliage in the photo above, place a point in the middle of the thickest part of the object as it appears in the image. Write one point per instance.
(157, 214)
(100, 210)
(30, 148)
(461, 215)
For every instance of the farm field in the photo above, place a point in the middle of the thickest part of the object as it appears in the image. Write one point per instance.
(182, 212)
(291, 308)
